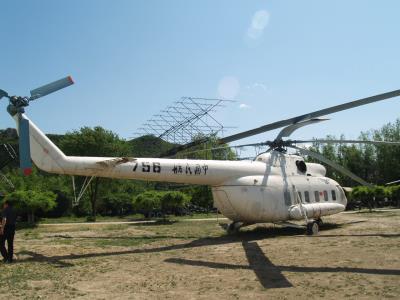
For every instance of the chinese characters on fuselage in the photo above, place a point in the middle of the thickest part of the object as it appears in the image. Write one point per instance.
(187, 169)
(190, 169)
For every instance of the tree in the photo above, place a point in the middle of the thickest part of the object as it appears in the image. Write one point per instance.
(364, 195)
(376, 164)
(147, 203)
(116, 204)
(201, 196)
(395, 195)
(174, 202)
(388, 162)
(211, 149)
(30, 202)
(95, 141)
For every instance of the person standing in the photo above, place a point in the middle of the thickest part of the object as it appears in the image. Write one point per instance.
(7, 232)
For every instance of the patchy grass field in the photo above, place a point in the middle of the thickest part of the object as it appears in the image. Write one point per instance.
(355, 256)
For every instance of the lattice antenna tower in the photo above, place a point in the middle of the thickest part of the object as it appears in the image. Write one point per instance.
(186, 119)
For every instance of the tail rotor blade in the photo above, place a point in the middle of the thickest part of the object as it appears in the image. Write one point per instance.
(24, 147)
(51, 87)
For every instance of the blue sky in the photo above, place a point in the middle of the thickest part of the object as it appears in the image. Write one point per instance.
(130, 59)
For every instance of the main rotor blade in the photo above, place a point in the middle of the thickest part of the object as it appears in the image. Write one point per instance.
(328, 141)
(315, 114)
(288, 130)
(51, 87)
(332, 164)
(24, 146)
(393, 182)
(226, 147)
(291, 121)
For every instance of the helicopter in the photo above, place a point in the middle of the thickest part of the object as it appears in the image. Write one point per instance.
(275, 187)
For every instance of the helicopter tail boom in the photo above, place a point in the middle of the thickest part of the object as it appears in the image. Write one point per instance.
(48, 157)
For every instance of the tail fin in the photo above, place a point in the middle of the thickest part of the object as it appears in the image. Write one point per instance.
(44, 153)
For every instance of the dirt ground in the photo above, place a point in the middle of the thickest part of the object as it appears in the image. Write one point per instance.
(355, 256)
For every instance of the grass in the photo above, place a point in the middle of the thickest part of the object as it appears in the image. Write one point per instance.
(128, 242)
(73, 219)
(134, 217)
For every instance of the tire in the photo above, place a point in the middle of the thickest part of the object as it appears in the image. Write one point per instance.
(233, 228)
(312, 228)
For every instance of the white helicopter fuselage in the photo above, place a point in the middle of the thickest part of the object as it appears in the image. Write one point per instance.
(281, 193)
(272, 188)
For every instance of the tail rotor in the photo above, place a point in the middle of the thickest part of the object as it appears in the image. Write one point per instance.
(16, 108)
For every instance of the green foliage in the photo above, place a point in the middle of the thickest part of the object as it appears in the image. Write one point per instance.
(377, 164)
(149, 146)
(95, 141)
(31, 201)
(202, 196)
(362, 192)
(150, 202)
(173, 201)
(147, 201)
(211, 149)
(394, 194)
(116, 204)
(376, 196)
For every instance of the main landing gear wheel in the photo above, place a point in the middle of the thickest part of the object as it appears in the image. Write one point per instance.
(234, 227)
(312, 228)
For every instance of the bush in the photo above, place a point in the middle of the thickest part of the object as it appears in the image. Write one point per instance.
(155, 203)
(116, 204)
(174, 202)
(202, 197)
(147, 203)
(395, 195)
(377, 196)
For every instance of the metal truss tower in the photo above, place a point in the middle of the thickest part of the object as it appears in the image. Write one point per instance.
(185, 120)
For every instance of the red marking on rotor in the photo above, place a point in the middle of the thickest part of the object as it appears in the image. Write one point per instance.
(70, 79)
(27, 171)
(45, 151)
(321, 193)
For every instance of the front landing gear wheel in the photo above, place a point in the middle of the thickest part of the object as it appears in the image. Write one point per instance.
(320, 222)
(312, 228)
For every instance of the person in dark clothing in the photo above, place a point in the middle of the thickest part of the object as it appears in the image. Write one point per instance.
(7, 232)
